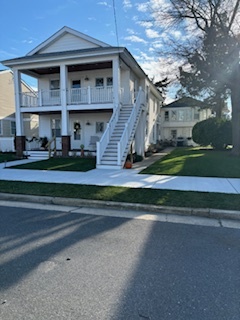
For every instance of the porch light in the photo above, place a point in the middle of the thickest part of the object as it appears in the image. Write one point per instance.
(88, 123)
(86, 78)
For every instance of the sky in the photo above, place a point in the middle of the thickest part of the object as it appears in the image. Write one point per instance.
(24, 24)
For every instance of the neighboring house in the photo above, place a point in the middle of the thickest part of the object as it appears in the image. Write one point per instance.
(179, 117)
(89, 93)
(7, 113)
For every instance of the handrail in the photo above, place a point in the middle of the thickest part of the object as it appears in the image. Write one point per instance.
(122, 144)
(48, 145)
(102, 144)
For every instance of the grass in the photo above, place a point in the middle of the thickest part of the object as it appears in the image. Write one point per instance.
(61, 164)
(197, 162)
(7, 156)
(123, 194)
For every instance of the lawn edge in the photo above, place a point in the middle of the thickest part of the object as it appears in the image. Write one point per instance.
(157, 209)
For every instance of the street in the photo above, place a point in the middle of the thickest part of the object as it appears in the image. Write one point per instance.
(70, 265)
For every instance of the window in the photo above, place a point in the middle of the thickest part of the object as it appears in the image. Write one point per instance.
(13, 128)
(56, 128)
(196, 115)
(181, 115)
(54, 84)
(174, 115)
(109, 81)
(54, 88)
(188, 115)
(99, 127)
(166, 115)
(99, 82)
(173, 134)
(0, 126)
(76, 84)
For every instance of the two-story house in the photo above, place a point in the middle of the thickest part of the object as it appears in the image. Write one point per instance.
(7, 113)
(87, 91)
(179, 117)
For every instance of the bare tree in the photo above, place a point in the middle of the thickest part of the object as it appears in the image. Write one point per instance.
(209, 29)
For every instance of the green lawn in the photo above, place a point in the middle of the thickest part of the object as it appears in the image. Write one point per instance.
(198, 162)
(122, 194)
(61, 164)
(7, 156)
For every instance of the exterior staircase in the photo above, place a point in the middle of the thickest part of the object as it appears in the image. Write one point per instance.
(119, 136)
(110, 156)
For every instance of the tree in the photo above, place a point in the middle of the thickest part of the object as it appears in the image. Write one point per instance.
(212, 50)
(214, 132)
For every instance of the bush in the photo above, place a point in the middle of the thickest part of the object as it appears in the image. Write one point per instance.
(214, 132)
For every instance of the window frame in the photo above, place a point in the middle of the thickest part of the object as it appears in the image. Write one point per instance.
(13, 132)
(99, 127)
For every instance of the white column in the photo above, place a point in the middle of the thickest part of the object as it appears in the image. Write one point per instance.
(116, 81)
(17, 91)
(63, 90)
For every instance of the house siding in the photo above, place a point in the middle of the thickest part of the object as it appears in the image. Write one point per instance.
(69, 41)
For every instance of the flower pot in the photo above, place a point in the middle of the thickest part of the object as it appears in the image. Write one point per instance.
(128, 164)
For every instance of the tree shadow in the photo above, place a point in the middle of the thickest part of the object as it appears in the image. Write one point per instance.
(31, 237)
(184, 273)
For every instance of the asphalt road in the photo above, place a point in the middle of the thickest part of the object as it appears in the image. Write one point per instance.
(60, 265)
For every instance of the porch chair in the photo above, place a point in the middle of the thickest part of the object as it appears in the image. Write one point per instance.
(93, 143)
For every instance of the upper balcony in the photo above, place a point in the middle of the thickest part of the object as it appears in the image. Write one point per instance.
(77, 96)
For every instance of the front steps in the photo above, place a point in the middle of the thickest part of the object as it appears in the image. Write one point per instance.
(37, 155)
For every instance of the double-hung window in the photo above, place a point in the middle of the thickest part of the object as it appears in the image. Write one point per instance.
(54, 88)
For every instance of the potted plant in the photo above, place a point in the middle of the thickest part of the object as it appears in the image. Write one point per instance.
(44, 142)
(128, 164)
(82, 150)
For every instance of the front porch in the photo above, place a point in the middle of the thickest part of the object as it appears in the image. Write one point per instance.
(74, 96)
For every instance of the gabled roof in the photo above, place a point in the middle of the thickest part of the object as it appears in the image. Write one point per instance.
(62, 32)
(185, 102)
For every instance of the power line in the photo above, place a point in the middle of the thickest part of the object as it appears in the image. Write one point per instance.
(115, 21)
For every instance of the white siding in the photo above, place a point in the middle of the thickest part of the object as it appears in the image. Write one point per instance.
(68, 42)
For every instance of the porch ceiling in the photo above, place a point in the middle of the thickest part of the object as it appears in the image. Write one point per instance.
(73, 68)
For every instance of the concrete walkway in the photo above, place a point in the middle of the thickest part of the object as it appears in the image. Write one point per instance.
(125, 177)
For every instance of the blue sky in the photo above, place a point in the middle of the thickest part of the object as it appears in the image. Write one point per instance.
(27, 23)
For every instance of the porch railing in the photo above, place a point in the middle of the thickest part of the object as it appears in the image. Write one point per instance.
(75, 96)
(126, 136)
(102, 144)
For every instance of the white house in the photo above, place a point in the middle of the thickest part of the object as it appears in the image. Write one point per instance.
(179, 117)
(88, 93)
(7, 113)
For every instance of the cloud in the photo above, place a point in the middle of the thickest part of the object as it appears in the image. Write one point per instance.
(151, 33)
(145, 24)
(143, 7)
(134, 38)
(103, 3)
(127, 4)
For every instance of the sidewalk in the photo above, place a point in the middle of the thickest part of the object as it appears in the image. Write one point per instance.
(124, 177)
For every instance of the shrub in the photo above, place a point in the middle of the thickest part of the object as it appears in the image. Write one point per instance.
(214, 132)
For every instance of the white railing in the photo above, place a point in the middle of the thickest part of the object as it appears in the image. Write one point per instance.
(50, 97)
(78, 96)
(102, 144)
(122, 144)
(101, 94)
(29, 99)
(75, 96)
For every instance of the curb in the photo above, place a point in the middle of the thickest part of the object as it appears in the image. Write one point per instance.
(183, 211)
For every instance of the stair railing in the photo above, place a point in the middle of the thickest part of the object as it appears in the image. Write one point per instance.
(102, 144)
(54, 149)
(122, 144)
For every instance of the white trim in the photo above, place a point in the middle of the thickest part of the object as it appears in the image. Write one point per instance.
(60, 33)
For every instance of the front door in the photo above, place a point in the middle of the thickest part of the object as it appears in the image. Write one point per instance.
(77, 134)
